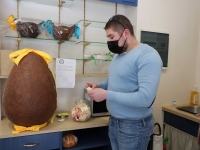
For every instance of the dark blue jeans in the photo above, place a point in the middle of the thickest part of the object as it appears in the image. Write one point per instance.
(130, 134)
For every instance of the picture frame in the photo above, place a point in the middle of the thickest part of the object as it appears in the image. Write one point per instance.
(159, 41)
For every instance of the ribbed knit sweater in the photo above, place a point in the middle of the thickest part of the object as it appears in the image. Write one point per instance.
(132, 83)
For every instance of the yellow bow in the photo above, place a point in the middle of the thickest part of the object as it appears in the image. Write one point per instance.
(18, 55)
(10, 20)
(19, 129)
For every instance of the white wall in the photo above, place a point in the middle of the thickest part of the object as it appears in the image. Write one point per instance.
(0, 30)
(180, 19)
(198, 60)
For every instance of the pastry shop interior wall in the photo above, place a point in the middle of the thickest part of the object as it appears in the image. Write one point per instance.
(183, 29)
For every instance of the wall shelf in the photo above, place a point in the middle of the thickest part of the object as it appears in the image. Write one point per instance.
(63, 3)
(92, 75)
(77, 75)
(92, 23)
(86, 59)
(45, 39)
(85, 43)
(3, 77)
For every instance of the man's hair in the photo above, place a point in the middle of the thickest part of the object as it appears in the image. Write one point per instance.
(119, 23)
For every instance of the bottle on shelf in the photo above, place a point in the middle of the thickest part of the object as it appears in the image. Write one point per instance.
(194, 96)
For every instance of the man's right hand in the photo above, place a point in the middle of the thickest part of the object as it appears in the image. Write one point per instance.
(92, 85)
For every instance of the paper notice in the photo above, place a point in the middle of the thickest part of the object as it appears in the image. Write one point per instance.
(65, 73)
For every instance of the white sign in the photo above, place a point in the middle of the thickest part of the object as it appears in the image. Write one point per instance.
(65, 73)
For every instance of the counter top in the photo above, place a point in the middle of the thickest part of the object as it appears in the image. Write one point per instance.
(172, 109)
(6, 127)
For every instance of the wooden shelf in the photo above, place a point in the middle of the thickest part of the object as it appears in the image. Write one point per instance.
(3, 77)
(77, 75)
(92, 75)
(96, 137)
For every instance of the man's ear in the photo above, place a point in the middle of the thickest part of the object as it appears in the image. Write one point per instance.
(127, 33)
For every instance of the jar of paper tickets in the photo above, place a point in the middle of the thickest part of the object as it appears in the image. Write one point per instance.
(81, 111)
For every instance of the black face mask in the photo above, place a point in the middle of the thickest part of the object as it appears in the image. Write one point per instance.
(114, 48)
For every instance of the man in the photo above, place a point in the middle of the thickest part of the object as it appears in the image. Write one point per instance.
(131, 86)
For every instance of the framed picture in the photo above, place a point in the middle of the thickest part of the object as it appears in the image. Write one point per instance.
(159, 41)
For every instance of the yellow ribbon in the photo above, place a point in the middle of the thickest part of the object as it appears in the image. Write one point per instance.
(18, 55)
(19, 129)
(10, 20)
(52, 118)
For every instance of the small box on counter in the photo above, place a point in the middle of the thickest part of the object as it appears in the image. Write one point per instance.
(5, 63)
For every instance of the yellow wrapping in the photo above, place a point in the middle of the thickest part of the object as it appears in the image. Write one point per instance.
(19, 129)
(10, 20)
(18, 55)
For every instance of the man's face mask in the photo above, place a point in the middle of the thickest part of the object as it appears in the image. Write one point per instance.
(113, 45)
(114, 48)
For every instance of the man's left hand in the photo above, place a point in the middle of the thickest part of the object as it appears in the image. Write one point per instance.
(97, 94)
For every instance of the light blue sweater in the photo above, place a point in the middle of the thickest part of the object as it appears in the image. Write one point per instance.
(132, 82)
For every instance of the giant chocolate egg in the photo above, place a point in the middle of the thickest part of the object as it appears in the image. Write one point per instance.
(30, 96)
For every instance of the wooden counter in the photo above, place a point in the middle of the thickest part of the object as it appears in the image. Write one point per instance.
(172, 109)
(6, 127)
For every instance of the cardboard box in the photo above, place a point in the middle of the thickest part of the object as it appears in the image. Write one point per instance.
(5, 63)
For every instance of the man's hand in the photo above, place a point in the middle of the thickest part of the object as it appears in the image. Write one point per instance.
(92, 85)
(97, 94)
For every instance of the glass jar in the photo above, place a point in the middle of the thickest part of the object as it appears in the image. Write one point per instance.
(81, 111)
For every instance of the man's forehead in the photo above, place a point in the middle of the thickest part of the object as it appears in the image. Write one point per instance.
(110, 31)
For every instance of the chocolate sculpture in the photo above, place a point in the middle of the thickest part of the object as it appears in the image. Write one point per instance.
(30, 93)
(28, 29)
(25, 28)
(62, 32)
